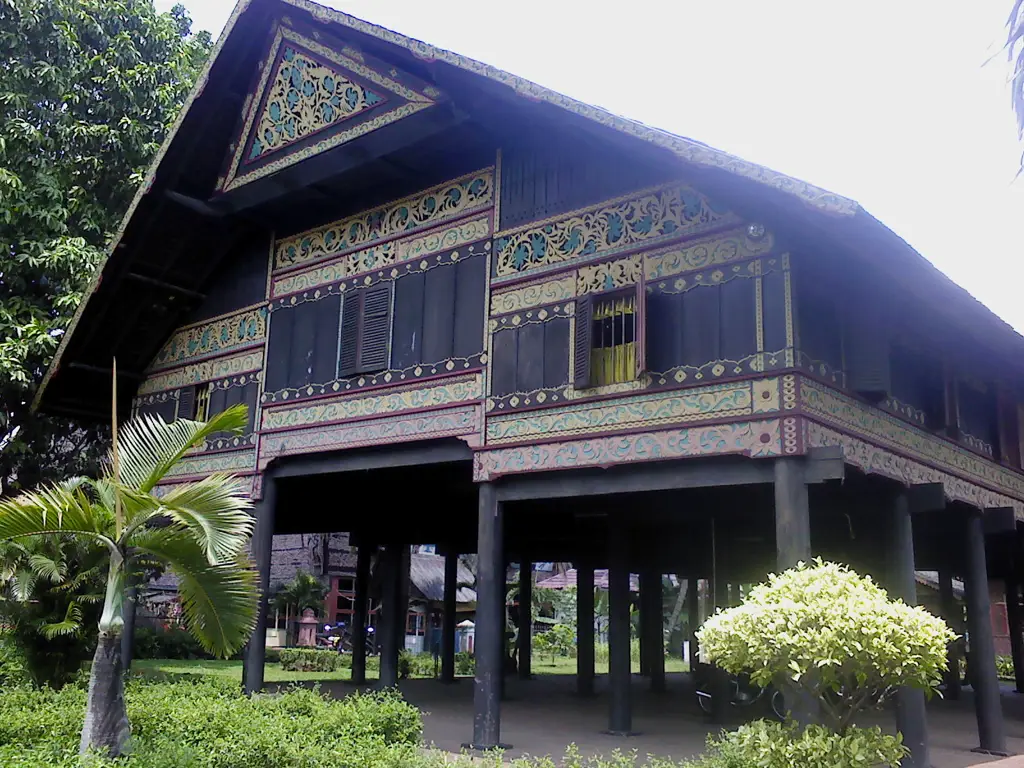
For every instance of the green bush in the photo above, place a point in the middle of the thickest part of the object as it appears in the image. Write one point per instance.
(774, 745)
(208, 723)
(465, 663)
(313, 660)
(1004, 667)
(415, 665)
(12, 663)
(172, 643)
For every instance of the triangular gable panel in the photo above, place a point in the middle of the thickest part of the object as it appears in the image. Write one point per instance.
(311, 98)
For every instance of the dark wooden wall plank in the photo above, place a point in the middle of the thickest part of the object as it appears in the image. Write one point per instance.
(700, 326)
(556, 352)
(438, 317)
(504, 361)
(276, 375)
(738, 318)
(773, 308)
(530, 357)
(407, 334)
(469, 306)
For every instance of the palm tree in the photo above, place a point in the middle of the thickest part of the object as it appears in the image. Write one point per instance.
(198, 529)
(304, 591)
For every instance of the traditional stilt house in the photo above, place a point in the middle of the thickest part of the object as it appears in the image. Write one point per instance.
(469, 311)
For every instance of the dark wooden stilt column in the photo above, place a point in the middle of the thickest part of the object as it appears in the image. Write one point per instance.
(404, 558)
(525, 620)
(585, 629)
(390, 564)
(490, 624)
(359, 614)
(1013, 616)
(620, 715)
(451, 575)
(793, 545)
(721, 691)
(953, 615)
(131, 600)
(656, 640)
(983, 676)
(911, 720)
(262, 550)
(693, 617)
(644, 622)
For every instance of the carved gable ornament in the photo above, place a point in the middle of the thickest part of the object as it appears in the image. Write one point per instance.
(310, 98)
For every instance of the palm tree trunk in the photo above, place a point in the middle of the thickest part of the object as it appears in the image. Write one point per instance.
(106, 727)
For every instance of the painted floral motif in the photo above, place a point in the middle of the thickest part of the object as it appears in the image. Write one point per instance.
(225, 334)
(874, 460)
(851, 416)
(325, 412)
(607, 276)
(618, 224)
(441, 203)
(194, 466)
(207, 370)
(452, 422)
(733, 246)
(756, 439)
(718, 402)
(535, 295)
(306, 96)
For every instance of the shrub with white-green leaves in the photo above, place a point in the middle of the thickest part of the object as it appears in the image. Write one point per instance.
(832, 633)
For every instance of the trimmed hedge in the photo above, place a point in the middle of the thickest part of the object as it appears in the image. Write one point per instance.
(207, 723)
(312, 660)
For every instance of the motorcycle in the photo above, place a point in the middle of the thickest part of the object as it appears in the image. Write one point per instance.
(742, 694)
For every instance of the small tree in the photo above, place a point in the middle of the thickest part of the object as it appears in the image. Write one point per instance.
(823, 630)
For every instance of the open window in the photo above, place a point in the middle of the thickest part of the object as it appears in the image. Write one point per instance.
(609, 343)
(194, 403)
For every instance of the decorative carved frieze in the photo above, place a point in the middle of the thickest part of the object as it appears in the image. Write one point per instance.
(244, 328)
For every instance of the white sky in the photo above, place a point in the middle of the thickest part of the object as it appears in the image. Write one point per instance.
(889, 102)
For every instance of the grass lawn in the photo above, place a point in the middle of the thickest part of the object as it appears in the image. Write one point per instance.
(232, 670)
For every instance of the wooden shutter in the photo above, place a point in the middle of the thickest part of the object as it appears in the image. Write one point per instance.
(867, 359)
(187, 403)
(348, 354)
(375, 336)
(640, 328)
(582, 342)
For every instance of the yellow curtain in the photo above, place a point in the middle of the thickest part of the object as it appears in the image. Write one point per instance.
(616, 362)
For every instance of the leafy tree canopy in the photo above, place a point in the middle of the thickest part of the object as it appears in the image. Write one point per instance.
(88, 89)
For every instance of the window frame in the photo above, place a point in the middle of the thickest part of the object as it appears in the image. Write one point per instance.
(583, 341)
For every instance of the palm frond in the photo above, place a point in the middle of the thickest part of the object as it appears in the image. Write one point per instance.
(53, 569)
(53, 509)
(149, 446)
(70, 625)
(1015, 37)
(219, 601)
(213, 510)
(23, 584)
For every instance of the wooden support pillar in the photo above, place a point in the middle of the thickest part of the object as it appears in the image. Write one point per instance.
(693, 617)
(656, 639)
(620, 715)
(404, 558)
(644, 629)
(911, 719)
(793, 545)
(451, 586)
(792, 513)
(490, 624)
(982, 663)
(721, 691)
(390, 564)
(953, 615)
(262, 550)
(131, 600)
(1013, 616)
(585, 629)
(525, 619)
(360, 602)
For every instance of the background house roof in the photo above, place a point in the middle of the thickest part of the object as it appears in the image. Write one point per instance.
(426, 572)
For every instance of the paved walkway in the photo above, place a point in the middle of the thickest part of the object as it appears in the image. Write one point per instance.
(542, 716)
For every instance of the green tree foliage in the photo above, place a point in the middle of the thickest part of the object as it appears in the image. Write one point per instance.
(199, 529)
(830, 634)
(560, 640)
(51, 590)
(88, 89)
(304, 591)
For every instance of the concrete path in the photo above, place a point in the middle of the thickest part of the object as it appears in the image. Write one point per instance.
(543, 715)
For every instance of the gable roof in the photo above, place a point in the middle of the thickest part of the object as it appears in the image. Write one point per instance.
(847, 222)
